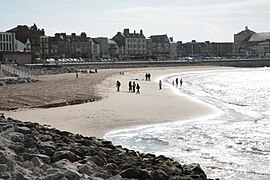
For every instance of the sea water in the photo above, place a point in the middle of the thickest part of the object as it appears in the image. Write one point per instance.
(234, 144)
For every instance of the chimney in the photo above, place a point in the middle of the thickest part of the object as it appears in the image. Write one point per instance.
(141, 31)
(73, 34)
(83, 34)
(193, 41)
(171, 39)
(134, 32)
(126, 31)
(246, 27)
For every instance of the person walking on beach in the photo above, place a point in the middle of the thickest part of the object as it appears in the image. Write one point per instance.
(138, 88)
(133, 87)
(118, 84)
(181, 82)
(160, 85)
(77, 75)
(129, 86)
(176, 82)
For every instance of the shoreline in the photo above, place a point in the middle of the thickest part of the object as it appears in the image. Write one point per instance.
(122, 110)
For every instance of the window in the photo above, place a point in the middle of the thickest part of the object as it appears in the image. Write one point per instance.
(0, 37)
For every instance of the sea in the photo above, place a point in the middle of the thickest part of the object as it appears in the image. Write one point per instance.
(233, 143)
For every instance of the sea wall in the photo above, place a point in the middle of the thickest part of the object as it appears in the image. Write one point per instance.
(73, 67)
(31, 151)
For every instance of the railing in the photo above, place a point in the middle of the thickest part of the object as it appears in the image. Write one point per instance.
(15, 70)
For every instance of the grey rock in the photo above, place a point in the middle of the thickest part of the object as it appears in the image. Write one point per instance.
(3, 167)
(160, 175)
(130, 173)
(23, 129)
(49, 144)
(116, 177)
(37, 162)
(65, 155)
(16, 137)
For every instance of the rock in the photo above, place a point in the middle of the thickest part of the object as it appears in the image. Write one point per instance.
(24, 130)
(4, 175)
(98, 161)
(195, 169)
(20, 176)
(48, 144)
(72, 175)
(145, 174)
(160, 175)
(37, 162)
(130, 173)
(3, 167)
(65, 155)
(41, 153)
(117, 177)
(16, 137)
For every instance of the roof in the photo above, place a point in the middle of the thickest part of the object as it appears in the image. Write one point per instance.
(110, 41)
(246, 31)
(259, 37)
(159, 38)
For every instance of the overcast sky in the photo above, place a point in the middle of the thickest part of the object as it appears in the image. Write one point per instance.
(185, 20)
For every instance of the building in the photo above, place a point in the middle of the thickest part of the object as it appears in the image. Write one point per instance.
(196, 49)
(28, 36)
(7, 41)
(259, 45)
(204, 49)
(241, 42)
(104, 46)
(113, 49)
(251, 44)
(44, 47)
(221, 49)
(70, 46)
(80, 45)
(95, 50)
(131, 45)
(173, 49)
(160, 46)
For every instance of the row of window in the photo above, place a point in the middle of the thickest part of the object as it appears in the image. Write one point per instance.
(5, 37)
(6, 47)
(139, 40)
(135, 52)
(136, 46)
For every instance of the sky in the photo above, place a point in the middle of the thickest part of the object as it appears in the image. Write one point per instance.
(184, 20)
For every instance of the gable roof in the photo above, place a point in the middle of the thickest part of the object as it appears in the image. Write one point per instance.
(160, 38)
(259, 37)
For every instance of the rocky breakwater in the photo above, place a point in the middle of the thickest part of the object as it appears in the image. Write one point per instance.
(9, 81)
(31, 151)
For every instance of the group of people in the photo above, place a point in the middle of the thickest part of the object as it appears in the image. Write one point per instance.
(148, 77)
(177, 81)
(132, 86)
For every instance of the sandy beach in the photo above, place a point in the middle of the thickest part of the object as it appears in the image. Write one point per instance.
(119, 110)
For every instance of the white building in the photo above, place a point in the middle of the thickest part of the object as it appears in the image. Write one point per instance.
(7, 41)
(23, 47)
